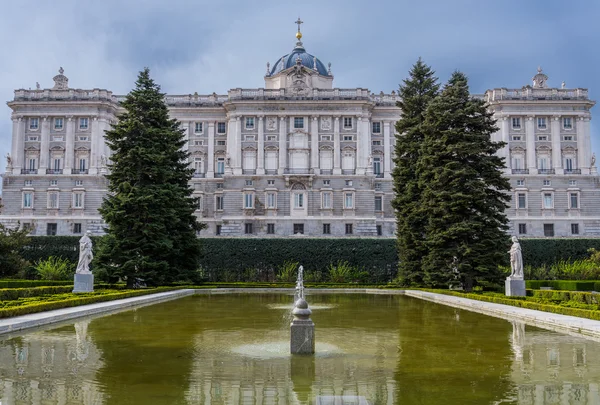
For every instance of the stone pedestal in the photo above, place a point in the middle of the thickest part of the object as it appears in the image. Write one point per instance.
(303, 336)
(84, 283)
(514, 287)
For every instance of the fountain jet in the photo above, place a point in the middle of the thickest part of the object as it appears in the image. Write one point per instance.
(302, 328)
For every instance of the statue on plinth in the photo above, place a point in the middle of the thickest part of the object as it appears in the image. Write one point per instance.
(85, 254)
(516, 259)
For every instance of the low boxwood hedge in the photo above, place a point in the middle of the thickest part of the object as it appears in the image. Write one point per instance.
(567, 285)
(77, 301)
(32, 283)
(16, 293)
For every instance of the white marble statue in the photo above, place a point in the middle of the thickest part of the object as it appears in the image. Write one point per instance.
(593, 161)
(8, 160)
(516, 259)
(85, 254)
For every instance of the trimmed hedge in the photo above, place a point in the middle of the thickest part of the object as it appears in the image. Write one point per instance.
(523, 303)
(32, 283)
(77, 301)
(564, 296)
(16, 293)
(566, 285)
(539, 252)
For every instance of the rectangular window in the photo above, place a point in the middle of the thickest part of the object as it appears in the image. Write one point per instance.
(547, 183)
(220, 127)
(348, 200)
(248, 201)
(249, 183)
(347, 122)
(520, 182)
(27, 200)
(271, 200)
(53, 200)
(325, 138)
(568, 138)
(270, 182)
(199, 143)
(541, 122)
(249, 138)
(83, 123)
(32, 138)
(548, 201)
(53, 183)
(221, 143)
(326, 229)
(379, 230)
(349, 183)
(248, 228)
(522, 229)
(326, 182)
(57, 164)
(516, 123)
(220, 165)
(79, 182)
(521, 200)
(58, 138)
(376, 143)
(543, 163)
(219, 203)
(82, 164)
(298, 122)
(51, 229)
(77, 228)
(34, 123)
(567, 123)
(58, 124)
(549, 230)
(574, 200)
(271, 137)
(84, 138)
(572, 182)
(516, 138)
(249, 122)
(271, 229)
(219, 186)
(298, 200)
(32, 163)
(218, 230)
(326, 201)
(348, 138)
(377, 165)
(348, 229)
(377, 127)
(575, 229)
(377, 186)
(28, 183)
(543, 138)
(378, 203)
(198, 127)
(78, 200)
(569, 163)
(299, 228)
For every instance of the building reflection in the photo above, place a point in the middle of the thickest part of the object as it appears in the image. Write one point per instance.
(50, 367)
(551, 368)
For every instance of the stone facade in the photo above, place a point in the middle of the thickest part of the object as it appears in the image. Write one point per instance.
(296, 157)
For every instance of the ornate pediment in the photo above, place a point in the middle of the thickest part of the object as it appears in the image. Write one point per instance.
(517, 150)
(299, 80)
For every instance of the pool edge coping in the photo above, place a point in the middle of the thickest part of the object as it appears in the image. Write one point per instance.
(581, 327)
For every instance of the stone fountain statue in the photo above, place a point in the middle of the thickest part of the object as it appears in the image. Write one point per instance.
(515, 283)
(302, 328)
(84, 279)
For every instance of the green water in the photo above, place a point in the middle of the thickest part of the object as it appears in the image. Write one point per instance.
(232, 349)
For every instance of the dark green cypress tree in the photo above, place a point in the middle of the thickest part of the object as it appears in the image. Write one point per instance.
(464, 192)
(149, 209)
(415, 95)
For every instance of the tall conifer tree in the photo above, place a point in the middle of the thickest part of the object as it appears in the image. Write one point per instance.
(464, 194)
(149, 209)
(415, 95)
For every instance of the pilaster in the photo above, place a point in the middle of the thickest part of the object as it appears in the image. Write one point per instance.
(530, 144)
(337, 150)
(210, 172)
(20, 156)
(45, 145)
(314, 145)
(14, 151)
(282, 146)
(387, 150)
(231, 145)
(237, 167)
(555, 139)
(70, 145)
(95, 152)
(260, 164)
(584, 145)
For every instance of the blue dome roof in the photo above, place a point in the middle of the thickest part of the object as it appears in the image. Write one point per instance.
(307, 59)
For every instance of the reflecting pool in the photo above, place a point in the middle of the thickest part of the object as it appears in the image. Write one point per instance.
(234, 349)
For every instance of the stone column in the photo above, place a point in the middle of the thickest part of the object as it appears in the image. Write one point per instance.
(14, 151)
(19, 161)
(70, 146)
(260, 164)
(337, 150)
(237, 167)
(361, 153)
(210, 172)
(530, 144)
(95, 152)
(584, 145)
(45, 146)
(387, 150)
(555, 139)
(367, 144)
(314, 145)
(503, 137)
(229, 161)
(282, 146)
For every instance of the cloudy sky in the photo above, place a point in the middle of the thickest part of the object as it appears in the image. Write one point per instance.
(205, 46)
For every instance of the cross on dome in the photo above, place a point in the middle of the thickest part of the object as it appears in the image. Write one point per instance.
(299, 34)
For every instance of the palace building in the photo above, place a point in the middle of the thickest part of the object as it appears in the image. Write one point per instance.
(297, 157)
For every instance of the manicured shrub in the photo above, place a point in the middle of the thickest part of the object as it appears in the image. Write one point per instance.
(55, 268)
(567, 285)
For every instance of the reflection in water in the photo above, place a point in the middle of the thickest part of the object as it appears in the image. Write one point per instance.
(389, 350)
(51, 367)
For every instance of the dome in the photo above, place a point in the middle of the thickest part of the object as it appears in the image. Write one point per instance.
(307, 60)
